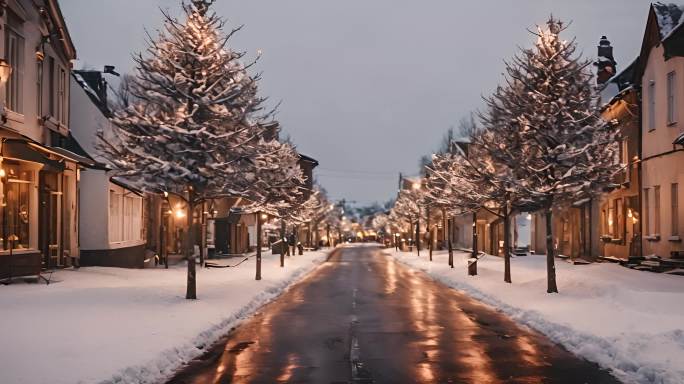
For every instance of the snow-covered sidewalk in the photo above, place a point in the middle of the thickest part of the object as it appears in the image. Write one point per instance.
(109, 325)
(628, 321)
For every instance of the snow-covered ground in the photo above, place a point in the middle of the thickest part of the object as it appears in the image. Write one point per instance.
(109, 325)
(628, 321)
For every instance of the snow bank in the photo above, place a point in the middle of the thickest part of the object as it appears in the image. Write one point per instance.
(627, 321)
(108, 325)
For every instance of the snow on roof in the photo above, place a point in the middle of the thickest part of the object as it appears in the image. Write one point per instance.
(669, 17)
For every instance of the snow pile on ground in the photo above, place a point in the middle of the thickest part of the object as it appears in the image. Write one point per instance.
(627, 321)
(109, 325)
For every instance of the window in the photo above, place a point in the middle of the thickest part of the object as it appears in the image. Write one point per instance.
(39, 88)
(647, 219)
(656, 210)
(671, 97)
(16, 207)
(125, 216)
(14, 55)
(61, 95)
(624, 159)
(115, 205)
(611, 220)
(620, 219)
(675, 209)
(52, 86)
(651, 105)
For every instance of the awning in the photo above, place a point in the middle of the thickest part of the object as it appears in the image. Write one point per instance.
(21, 150)
(66, 154)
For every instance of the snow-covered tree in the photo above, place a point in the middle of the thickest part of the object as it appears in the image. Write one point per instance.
(275, 188)
(408, 208)
(189, 127)
(568, 150)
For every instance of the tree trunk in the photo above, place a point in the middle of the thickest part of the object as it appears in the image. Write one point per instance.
(550, 261)
(203, 236)
(445, 225)
(418, 233)
(507, 245)
(283, 242)
(258, 247)
(429, 233)
(472, 264)
(450, 245)
(191, 292)
(327, 230)
(162, 247)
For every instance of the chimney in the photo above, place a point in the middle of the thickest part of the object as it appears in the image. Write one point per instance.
(605, 62)
(98, 84)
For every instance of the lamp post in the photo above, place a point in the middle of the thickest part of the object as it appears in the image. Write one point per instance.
(472, 264)
(416, 187)
(259, 217)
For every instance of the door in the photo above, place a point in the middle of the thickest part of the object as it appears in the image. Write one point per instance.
(50, 229)
(221, 233)
(55, 228)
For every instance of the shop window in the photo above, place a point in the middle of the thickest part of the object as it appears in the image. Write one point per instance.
(16, 207)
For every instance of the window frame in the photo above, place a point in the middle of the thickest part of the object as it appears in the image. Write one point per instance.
(672, 98)
(15, 49)
(656, 210)
(674, 204)
(651, 105)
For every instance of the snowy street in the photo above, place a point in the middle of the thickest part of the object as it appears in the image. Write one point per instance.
(363, 317)
(110, 325)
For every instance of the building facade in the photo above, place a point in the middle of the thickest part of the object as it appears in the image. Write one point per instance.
(40, 166)
(660, 75)
(112, 225)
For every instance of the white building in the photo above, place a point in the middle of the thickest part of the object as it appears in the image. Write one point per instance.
(111, 212)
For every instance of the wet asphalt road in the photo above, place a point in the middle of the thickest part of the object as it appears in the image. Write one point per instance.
(364, 318)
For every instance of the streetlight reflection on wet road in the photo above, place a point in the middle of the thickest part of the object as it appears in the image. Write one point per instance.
(365, 318)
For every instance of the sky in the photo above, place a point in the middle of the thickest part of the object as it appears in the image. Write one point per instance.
(367, 87)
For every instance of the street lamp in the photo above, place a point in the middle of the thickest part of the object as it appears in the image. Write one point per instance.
(5, 71)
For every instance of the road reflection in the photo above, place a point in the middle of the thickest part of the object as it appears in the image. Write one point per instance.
(408, 328)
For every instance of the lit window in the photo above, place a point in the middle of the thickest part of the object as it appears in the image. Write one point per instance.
(14, 55)
(16, 206)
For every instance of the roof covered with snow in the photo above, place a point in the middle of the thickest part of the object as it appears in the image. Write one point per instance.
(669, 17)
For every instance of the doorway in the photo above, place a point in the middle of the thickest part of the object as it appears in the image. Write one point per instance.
(51, 212)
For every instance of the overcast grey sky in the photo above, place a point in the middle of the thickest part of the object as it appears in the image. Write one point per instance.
(368, 86)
